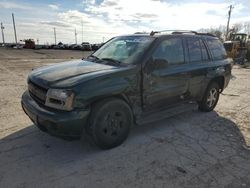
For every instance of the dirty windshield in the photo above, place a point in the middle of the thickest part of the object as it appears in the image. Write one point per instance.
(124, 49)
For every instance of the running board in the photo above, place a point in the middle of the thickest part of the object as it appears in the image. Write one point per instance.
(153, 116)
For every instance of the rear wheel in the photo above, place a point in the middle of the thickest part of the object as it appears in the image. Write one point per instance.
(110, 122)
(210, 98)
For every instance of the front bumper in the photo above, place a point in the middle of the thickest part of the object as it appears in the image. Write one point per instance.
(54, 122)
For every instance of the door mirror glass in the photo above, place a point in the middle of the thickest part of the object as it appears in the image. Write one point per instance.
(160, 63)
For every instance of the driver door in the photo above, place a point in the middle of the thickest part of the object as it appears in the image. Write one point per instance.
(166, 80)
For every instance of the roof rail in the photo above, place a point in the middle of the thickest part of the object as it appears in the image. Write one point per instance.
(181, 32)
(138, 33)
(208, 34)
(173, 32)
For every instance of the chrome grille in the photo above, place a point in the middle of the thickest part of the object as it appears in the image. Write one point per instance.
(38, 93)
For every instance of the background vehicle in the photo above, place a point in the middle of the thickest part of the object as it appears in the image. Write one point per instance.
(237, 47)
(77, 47)
(86, 46)
(95, 47)
(130, 79)
(60, 45)
(29, 44)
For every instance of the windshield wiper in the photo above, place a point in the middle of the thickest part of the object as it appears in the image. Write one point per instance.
(111, 60)
(93, 56)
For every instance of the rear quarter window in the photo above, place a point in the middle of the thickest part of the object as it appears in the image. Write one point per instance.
(217, 49)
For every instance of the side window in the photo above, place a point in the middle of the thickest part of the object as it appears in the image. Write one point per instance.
(171, 51)
(194, 50)
(204, 53)
(217, 49)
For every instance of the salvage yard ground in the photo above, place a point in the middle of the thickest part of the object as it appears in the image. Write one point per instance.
(192, 149)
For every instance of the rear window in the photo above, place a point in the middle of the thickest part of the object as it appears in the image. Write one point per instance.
(217, 49)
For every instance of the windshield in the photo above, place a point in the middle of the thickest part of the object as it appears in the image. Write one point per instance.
(124, 49)
(239, 37)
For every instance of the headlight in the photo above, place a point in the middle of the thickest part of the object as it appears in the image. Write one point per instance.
(60, 99)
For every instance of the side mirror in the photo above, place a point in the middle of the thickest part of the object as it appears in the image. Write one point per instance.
(160, 63)
(154, 64)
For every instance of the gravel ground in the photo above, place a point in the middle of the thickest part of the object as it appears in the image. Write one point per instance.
(192, 149)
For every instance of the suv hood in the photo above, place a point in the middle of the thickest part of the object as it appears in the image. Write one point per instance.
(68, 73)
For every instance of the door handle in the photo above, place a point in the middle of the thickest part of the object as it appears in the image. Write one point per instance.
(184, 73)
(220, 70)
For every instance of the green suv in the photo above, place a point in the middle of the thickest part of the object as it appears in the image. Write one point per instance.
(129, 80)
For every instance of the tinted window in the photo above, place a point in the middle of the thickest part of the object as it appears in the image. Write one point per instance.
(194, 50)
(205, 56)
(170, 50)
(217, 49)
(127, 49)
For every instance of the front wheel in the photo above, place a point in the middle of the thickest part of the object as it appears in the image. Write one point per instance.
(110, 122)
(210, 98)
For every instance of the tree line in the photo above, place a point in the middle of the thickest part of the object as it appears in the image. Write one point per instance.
(220, 32)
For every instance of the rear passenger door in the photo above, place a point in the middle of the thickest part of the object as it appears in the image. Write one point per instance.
(166, 81)
(220, 65)
(199, 60)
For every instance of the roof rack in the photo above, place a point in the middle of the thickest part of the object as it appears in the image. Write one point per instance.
(181, 32)
(173, 32)
(139, 33)
(208, 34)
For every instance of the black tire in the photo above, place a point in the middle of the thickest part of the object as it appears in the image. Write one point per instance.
(110, 122)
(210, 98)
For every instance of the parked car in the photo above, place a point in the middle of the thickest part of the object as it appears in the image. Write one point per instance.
(77, 47)
(96, 46)
(52, 46)
(129, 80)
(71, 46)
(86, 46)
(66, 46)
(60, 45)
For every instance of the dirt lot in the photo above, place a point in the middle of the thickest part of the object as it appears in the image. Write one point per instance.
(192, 149)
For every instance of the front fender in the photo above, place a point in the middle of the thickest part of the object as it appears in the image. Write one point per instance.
(125, 83)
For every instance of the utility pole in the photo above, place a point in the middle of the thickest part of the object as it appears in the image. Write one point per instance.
(228, 21)
(82, 31)
(2, 28)
(14, 25)
(55, 34)
(75, 36)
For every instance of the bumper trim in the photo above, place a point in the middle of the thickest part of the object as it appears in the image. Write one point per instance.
(57, 123)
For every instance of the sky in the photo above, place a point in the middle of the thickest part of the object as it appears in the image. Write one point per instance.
(98, 20)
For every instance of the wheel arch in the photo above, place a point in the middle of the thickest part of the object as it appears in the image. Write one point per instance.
(100, 99)
(220, 80)
(115, 96)
(217, 79)
(121, 96)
